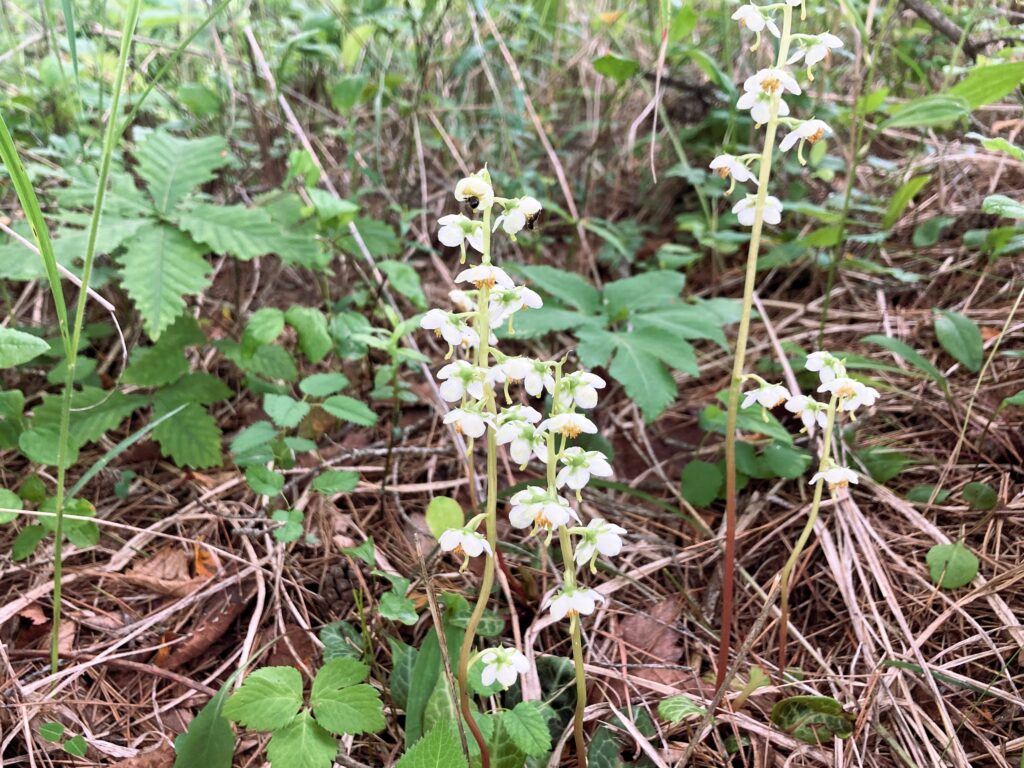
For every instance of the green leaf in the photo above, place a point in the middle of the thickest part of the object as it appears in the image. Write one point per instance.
(311, 326)
(786, 460)
(76, 746)
(323, 384)
(675, 709)
(568, 287)
(159, 267)
(960, 337)
(263, 481)
(252, 437)
(604, 750)
(285, 411)
(980, 496)
(267, 700)
(1001, 205)
(349, 409)
(1001, 145)
(172, 167)
(528, 727)
(336, 636)
(9, 500)
(291, 521)
(812, 719)
(701, 482)
(901, 199)
(334, 481)
(952, 566)
(264, 326)
(648, 290)
(908, 353)
(750, 420)
(424, 677)
(928, 112)
(883, 464)
(927, 233)
(920, 494)
(26, 541)
(615, 67)
(441, 748)
(341, 703)
(397, 607)
(685, 321)
(17, 347)
(198, 388)
(379, 238)
(336, 674)
(52, 732)
(1015, 400)
(406, 280)
(988, 83)
(234, 230)
(443, 513)
(302, 744)
(190, 439)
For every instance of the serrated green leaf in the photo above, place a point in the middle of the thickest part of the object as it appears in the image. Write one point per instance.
(311, 326)
(291, 523)
(648, 290)
(172, 166)
(336, 481)
(159, 267)
(342, 703)
(441, 748)
(198, 388)
(236, 230)
(685, 321)
(155, 367)
(17, 347)
(701, 482)
(285, 411)
(675, 709)
(980, 496)
(960, 337)
(302, 744)
(253, 436)
(405, 280)
(568, 287)
(504, 752)
(647, 382)
(812, 719)
(604, 750)
(264, 326)
(349, 409)
(267, 700)
(378, 236)
(323, 384)
(263, 481)
(528, 727)
(191, 438)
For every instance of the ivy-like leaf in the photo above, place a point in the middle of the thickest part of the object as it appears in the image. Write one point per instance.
(675, 709)
(812, 719)
(267, 700)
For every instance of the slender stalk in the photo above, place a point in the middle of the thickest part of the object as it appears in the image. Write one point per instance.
(483, 329)
(736, 383)
(805, 534)
(131, 17)
(577, 651)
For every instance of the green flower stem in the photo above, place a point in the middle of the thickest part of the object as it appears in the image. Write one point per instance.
(736, 383)
(787, 569)
(483, 329)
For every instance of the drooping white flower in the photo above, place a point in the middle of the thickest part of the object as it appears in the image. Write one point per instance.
(569, 425)
(728, 165)
(760, 105)
(475, 190)
(809, 410)
(460, 378)
(503, 665)
(578, 467)
(827, 365)
(599, 538)
(456, 230)
(575, 601)
(527, 370)
(579, 387)
(518, 413)
(506, 302)
(535, 507)
(771, 81)
(755, 19)
(461, 541)
(767, 395)
(485, 276)
(851, 393)
(816, 49)
(746, 210)
(461, 300)
(450, 327)
(518, 214)
(836, 477)
(468, 423)
(809, 131)
(523, 439)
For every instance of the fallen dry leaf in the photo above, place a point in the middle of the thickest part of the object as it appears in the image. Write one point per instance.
(651, 638)
(33, 613)
(165, 573)
(158, 758)
(207, 564)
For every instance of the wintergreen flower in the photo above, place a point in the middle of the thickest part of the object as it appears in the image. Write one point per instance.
(599, 538)
(569, 425)
(457, 230)
(503, 665)
(485, 276)
(836, 477)
(519, 213)
(538, 508)
(767, 395)
(575, 601)
(468, 423)
(746, 210)
(580, 465)
(827, 366)
(475, 190)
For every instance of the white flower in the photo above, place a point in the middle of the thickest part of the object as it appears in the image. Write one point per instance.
(463, 542)
(535, 507)
(503, 665)
(771, 81)
(575, 601)
(579, 466)
(827, 365)
(475, 190)
(754, 19)
(524, 440)
(466, 422)
(518, 214)
(579, 387)
(728, 165)
(599, 537)
(450, 327)
(760, 105)
(461, 299)
(518, 413)
(851, 393)
(505, 303)
(767, 395)
(809, 131)
(569, 424)
(816, 49)
(530, 372)
(456, 230)
(746, 210)
(809, 410)
(461, 378)
(836, 477)
(485, 276)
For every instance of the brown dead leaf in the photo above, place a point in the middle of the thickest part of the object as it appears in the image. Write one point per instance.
(207, 564)
(651, 638)
(34, 613)
(158, 758)
(66, 638)
(294, 647)
(988, 332)
(215, 617)
(165, 573)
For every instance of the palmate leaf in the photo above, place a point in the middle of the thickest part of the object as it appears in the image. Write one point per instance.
(172, 166)
(233, 229)
(268, 699)
(302, 744)
(159, 267)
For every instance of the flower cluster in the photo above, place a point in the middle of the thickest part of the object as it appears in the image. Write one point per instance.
(846, 395)
(764, 96)
(490, 391)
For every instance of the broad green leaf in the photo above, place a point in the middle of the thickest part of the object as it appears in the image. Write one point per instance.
(349, 409)
(198, 388)
(647, 382)
(547, 319)
(172, 166)
(908, 353)
(883, 464)
(688, 321)
(812, 719)
(988, 83)
(334, 481)
(378, 236)
(122, 197)
(980, 496)
(336, 674)
(311, 326)
(441, 748)
(675, 709)
(264, 326)
(323, 384)
(397, 607)
(268, 699)
(336, 638)
(1016, 400)
(302, 744)
(901, 199)
(155, 366)
(9, 500)
(443, 513)
(1001, 145)
(753, 421)
(701, 482)
(17, 347)
(424, 677)
(504, 752)
(786, 460)
(94, 413)
(920, 494)
(264, 481)
(406, 280)
(191, 438)
(51, 732)
(26, 541)
(604, 750)
(568, 287)
(952, 566)
(1001, 205)
(615, 67)
(341, 703)
(253, 436)
(76, 746)
(159, 267)
(960, 337)
(528, 727)
(648, 290)
(403, 659)
(291, 523)
(285, 411)
(927, 233)
(232, 229)
(209, 740)
(928, 112)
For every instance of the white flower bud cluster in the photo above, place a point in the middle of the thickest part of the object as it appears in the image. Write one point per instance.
(764, 95)
(846, 396)
(490, 390)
